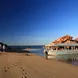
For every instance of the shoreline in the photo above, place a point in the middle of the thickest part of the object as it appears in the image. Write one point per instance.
(30, 49)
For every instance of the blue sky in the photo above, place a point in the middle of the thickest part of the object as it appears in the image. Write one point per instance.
(37, 22)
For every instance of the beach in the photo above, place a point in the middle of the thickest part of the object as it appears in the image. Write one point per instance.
(21, 65)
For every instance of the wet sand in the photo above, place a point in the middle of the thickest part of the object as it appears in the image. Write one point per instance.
(20, 65)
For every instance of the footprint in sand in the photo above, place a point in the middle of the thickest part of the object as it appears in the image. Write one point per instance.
(23, 73)
(13, 64)
(6, 69)
(22, 69)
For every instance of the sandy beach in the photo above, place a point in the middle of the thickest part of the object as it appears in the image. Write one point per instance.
(19, 65)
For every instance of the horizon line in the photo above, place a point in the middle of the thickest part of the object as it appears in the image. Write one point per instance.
(25, 45)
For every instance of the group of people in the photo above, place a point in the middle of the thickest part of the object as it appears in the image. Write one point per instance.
(2, 48)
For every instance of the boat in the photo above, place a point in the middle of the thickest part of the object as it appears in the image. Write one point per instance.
(63, 51)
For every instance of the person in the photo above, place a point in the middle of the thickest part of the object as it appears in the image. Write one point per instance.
(4, 48)
(46, 54)
(0, 47)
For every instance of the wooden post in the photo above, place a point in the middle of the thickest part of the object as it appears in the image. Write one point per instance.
(74, 47)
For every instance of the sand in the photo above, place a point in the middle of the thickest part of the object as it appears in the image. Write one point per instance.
(20, 65)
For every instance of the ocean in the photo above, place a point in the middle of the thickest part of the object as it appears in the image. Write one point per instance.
(34, 49)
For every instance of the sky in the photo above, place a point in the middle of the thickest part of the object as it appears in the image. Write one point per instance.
(37, 22)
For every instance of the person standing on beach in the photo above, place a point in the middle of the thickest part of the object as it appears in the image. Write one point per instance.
(46, 54)
(4, 48)
(0, 47)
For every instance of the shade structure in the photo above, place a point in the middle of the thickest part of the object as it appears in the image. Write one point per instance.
(63, 41)
(65, 44)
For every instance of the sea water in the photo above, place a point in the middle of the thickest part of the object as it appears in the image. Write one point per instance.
(33, 49)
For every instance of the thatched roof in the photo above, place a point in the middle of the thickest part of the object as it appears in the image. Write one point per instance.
(62, 39)
(65, 39)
